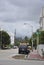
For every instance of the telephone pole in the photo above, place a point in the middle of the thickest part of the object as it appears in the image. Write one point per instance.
(15, 37)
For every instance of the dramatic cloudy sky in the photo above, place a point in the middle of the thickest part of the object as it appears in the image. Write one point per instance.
(14, 13)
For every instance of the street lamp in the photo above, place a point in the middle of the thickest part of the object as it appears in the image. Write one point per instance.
(38, 33)
(32, 33)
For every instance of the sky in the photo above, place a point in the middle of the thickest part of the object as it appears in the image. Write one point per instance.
(14, 13)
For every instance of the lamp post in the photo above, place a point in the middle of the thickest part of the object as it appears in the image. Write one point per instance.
(32, 33)
(37, 38)
(38, 33)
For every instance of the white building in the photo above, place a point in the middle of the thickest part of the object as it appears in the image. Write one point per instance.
(42, 20)
(40, 49)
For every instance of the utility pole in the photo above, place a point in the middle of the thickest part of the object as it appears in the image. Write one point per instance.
(32, 38)
(38, 33)
(15, 37)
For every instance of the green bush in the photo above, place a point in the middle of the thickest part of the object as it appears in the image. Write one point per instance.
(41, 37)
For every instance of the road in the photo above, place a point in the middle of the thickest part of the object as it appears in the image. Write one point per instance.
(6, 59)
(6, 54)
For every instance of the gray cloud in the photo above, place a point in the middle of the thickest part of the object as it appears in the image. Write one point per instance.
(15, 10)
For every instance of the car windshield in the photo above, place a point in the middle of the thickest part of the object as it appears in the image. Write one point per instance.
(23, 46)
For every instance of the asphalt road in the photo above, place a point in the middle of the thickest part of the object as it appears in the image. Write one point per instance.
(6, 59)
(6, 54)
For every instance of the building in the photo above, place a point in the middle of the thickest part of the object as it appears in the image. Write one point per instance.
(24, 43)
(42, 20)
(41, 50)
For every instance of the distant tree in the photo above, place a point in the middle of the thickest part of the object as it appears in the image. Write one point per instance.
(30, 41)
(34, 40)
(26, 39)
(17, 41)
(40, 34)
(4, 39)
(41, 37)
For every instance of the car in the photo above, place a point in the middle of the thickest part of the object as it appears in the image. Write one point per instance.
(23, 49)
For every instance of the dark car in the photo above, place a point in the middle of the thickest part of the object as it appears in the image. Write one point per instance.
(23, 49)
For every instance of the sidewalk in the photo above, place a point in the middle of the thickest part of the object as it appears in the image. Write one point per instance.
(34, 56)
